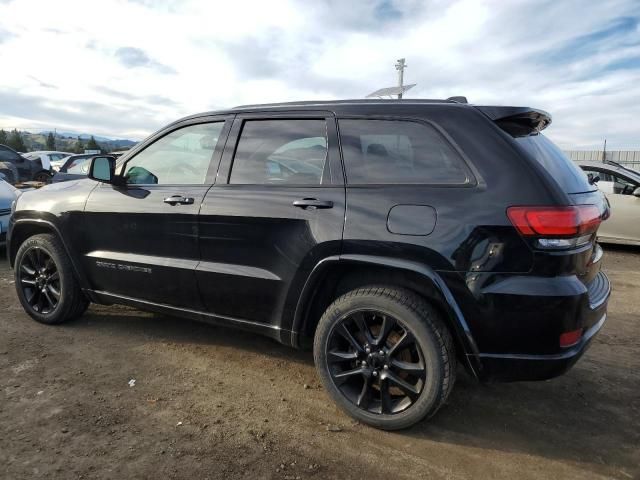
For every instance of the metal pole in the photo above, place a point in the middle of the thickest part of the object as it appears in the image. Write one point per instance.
(400, 66)
(604, 151)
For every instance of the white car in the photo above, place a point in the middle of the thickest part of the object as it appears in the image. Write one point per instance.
(621, 186)
(47, 157)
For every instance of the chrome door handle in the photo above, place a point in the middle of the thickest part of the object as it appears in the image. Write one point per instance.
(178, 200)
(312, 203)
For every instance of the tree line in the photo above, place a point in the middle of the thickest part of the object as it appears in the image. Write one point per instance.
(15, 140)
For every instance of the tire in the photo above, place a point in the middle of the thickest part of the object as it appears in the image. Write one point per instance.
(45, 282)
(416, 339)
(43, 177)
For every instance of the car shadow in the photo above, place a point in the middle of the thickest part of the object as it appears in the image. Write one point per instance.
(576, 417)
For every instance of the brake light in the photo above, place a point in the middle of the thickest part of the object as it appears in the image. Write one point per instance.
(550, 224)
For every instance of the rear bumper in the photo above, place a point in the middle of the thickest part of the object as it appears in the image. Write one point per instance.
(526, 330)
(515, 367)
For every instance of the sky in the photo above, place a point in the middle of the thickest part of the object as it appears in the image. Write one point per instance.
(124, 69)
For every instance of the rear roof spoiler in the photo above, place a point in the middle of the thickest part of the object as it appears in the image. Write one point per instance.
(518, 121)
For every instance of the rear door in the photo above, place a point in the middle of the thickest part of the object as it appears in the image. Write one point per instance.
(142, 237)
(277, 208)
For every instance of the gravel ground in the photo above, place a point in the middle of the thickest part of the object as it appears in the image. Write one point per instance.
(215, 403)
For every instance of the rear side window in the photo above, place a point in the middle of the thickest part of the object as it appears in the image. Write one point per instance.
(397, 151)
(568, 175)
(280, 152)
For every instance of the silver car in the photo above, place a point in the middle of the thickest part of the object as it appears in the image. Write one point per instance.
(7, 195)
(621, 186)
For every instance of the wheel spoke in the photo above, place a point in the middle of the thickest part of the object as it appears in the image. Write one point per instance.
(54, 276)
(344, 376)
(53, 291)
(406, 387)
(48, 298)
(385, 397)
(346, 334)
(336, 356)
(27, 281)
(365, 394)
(404, 341)
(31, 296)
(38, 306)
(408, 367)
(361, 323)
(28, 270)
(385, 328)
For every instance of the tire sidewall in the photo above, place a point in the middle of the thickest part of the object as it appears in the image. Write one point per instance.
(428, 400)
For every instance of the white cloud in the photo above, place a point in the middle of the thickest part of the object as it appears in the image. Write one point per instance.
(126, 68)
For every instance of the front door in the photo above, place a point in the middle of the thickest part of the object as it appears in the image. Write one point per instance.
(277, 209)
(142, 237)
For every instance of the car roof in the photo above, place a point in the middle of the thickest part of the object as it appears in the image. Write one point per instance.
(331, 105)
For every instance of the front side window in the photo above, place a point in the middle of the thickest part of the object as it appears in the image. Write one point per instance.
(181, 157)
(278, 152)
(400, 152)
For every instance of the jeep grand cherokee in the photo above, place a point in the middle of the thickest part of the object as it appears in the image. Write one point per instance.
(398, 238)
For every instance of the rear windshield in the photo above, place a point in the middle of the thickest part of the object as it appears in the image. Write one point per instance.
(569, 176)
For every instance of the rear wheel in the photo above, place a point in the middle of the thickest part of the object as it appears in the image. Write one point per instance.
(385, 356)
(45, 284)
(43, 177)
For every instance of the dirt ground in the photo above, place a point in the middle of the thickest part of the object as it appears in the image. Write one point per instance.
(215, 403)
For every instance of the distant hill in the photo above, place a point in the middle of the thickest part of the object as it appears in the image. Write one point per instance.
(67, 141)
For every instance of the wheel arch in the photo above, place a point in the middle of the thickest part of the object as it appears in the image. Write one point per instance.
(24, 228)
(336, 275)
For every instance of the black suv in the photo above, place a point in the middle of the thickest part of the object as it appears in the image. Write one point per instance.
(396, 237)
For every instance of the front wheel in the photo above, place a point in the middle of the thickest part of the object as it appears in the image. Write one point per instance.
(45, 284)
(385, 356)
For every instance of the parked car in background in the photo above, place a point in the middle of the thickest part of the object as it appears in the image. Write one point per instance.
(18, 168)
(8, 194)
(621, 185)
(47, 157)
(397, 237)
(75, 167)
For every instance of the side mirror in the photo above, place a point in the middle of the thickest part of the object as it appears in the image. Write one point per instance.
(636, 192)
(593, 179)
(102, 169)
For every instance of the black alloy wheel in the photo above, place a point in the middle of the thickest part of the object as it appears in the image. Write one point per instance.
(40, 280)
(375, 362)
(45, 281)
(385, 356)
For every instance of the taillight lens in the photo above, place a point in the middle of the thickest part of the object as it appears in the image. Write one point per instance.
(574, 224)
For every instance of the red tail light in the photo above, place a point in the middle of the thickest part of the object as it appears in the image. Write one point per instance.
(575, 221)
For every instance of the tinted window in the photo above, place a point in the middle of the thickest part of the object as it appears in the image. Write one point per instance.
(181, 157)
(280, 152)
(395, 151)
(568, 175)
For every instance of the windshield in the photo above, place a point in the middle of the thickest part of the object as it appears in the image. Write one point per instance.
(568, 175)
